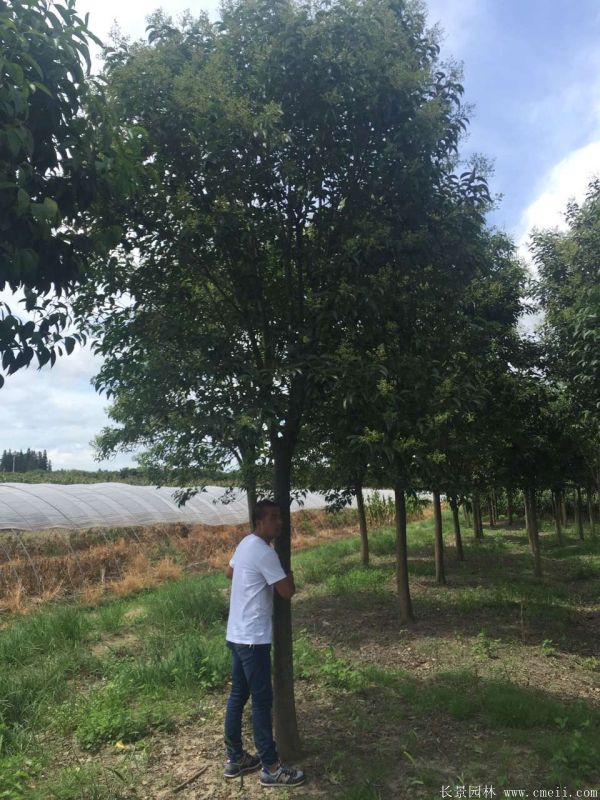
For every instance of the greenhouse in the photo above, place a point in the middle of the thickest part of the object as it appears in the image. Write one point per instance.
(30, 507)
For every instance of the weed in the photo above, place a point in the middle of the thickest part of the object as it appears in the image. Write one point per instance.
(90, 781)
(16, 773)
(573, 754)
(356, 580)
(29, 639)
(484, 646)
(108, 715)
(190, 660)
(188, 604)
(380, 509)
(548, 648)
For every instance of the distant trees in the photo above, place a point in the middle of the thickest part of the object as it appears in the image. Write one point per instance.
(568, 292)
(29, 461)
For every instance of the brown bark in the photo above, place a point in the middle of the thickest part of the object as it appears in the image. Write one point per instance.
(579, 513)
(284, 707)
(477, 521)
(563, 509)
(251, 496)
(404, 601)
(467, 513)
(509, 507)
(457, 535)
(532, 531)
(556, 501)
(590, 505)
(362, 524)
(490, 505)
(440, 575)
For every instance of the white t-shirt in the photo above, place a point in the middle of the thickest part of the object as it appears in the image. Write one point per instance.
(256, 567)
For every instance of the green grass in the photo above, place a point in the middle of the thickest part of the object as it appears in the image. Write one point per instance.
(87, 678)
(189, 603)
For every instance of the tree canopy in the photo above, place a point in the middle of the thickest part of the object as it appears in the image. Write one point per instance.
(59, 163)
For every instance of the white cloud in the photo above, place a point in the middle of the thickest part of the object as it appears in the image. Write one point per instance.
(131, 16)
(56, 410)
(567, 180)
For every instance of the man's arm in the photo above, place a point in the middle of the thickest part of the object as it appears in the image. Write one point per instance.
(229, 572)
(286, 587)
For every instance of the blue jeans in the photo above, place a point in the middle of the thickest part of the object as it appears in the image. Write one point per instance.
(251, 677)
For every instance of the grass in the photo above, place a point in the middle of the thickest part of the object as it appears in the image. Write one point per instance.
(477, 690)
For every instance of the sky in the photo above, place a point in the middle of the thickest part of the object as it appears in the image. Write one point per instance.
(532, 75)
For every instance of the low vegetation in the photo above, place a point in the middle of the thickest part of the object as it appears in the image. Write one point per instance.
(46, 566)
(496, 683)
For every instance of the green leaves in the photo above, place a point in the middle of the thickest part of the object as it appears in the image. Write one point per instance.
(62, 166)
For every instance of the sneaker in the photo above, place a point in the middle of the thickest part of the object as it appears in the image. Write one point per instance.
(247, 763)
(284, 776)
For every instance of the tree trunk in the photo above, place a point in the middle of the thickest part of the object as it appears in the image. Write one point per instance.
(509, 507)
(286, 724)
(590, 505)
(532, 531)
(467, 513)
(362, 524)
(563, 509)
(251, 496)
(457, 535)
(579, 513)
(557, 515)
(406, 613)
(490, 504)
(440, 576)
(495, 506)
(477, 523)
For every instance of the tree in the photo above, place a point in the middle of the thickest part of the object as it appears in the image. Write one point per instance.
(294, 153)
(58, 158)
(567, 290)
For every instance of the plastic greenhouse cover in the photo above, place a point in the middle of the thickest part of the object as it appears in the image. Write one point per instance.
(30, 507)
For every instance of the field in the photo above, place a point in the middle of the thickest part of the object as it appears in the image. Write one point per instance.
(495, 685)
(45, 566)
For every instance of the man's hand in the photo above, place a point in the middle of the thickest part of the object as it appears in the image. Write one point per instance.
(286, 587)
(229, 572)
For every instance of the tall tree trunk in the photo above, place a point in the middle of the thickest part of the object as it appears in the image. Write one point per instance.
(557, 515)
(362, 524)
(563, 508)
(490, 505)
(495, 505)
(467, 513)
(438, 539)
(579, 513)
(406, 612)
(532, 531)
(509, 507)
(285, 721)
(457, 535)
(477, 523)
(590, 505)
(251, 496)
(246, 458)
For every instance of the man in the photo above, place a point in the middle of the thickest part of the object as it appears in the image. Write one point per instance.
(254, 570)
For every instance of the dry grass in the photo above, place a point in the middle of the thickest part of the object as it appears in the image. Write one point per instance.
(91, 564)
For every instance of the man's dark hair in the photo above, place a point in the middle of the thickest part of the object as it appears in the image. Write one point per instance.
(260, 509)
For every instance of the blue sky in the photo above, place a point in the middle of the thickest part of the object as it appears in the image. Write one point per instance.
(532, 72)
